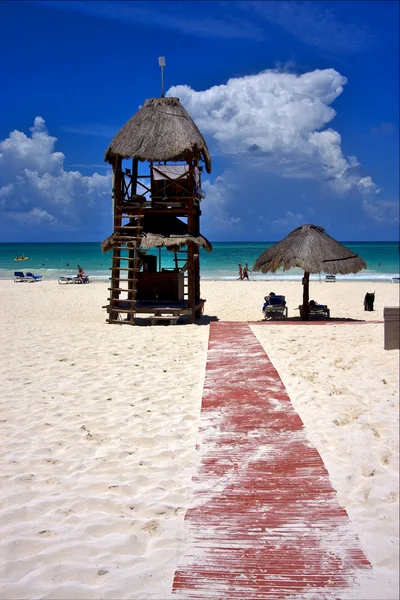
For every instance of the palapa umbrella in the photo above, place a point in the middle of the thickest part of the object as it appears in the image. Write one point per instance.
(160, 130)
(313, 250)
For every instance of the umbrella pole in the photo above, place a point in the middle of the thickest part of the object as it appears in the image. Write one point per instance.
(306, 282)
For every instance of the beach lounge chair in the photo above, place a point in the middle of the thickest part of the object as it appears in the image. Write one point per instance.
(320, 310)
(331, 278)
(275, 306)
(19, 276)
(65, 279)
(82, 279)
(34, 277)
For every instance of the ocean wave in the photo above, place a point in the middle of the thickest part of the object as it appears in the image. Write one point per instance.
(285, 277)
(54, 274)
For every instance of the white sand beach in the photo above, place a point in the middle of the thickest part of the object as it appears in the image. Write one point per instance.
(99, 426)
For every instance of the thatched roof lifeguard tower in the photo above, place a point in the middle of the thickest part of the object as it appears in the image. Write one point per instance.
(160, 206)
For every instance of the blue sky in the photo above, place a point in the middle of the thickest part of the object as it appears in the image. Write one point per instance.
(298, 103)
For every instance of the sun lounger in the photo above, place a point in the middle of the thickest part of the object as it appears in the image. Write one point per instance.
(34, 277)
(318, 310)
(83, 279)
(275, 306)
(19, 276)
(396, 279)
(80, 280)
(331, 278)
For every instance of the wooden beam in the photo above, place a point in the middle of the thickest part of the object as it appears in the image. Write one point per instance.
(306, 308)
(191, 270)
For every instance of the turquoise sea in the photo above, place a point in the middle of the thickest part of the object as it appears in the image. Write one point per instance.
(53, 260)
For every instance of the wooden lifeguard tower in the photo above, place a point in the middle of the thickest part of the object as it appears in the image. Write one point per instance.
(156, 203)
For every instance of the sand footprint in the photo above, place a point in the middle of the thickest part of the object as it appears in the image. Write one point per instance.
(392, 497)
(368, 473)
(386, 458)
(47, 533)
(152, 527)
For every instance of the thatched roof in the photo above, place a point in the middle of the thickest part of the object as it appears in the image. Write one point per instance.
(160, 130)
(158, 230)
(313, 250)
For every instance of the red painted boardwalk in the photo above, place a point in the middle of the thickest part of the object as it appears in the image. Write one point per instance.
(325, 322)
(265, 522)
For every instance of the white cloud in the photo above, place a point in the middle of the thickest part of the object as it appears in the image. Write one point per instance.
(275, 121)
(289, 220)
(382, 211)
(215, 215)
(36, 216)
(35, 190)
(6, 191)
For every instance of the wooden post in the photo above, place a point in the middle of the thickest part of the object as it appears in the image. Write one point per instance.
(196, 231)
(306, 310)
(191, 259)
(196, 265)
(134, 176)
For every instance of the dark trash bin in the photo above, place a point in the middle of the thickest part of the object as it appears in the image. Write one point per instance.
(369, 301)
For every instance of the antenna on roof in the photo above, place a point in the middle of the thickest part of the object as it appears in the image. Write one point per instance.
(161, 63)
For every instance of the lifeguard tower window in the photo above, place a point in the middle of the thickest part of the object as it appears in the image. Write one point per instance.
(173, 182)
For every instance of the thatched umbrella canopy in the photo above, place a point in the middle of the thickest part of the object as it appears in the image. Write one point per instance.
(313, 250)
(158, 230)
(160, 130)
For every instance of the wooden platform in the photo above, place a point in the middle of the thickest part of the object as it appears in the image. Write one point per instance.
(154, 310)
(264, 522)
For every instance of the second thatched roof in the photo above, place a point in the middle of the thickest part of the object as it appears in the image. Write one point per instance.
(313, 250)
(158, 230)
(160, 130)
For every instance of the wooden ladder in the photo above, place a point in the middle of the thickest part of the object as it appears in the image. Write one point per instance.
(117, 307)
(181, 262)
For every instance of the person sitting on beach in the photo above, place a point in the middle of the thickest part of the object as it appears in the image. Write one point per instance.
(313, 303)
(82, 276)
(272, 300)
(267, 300)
